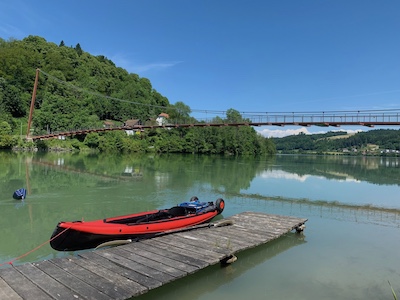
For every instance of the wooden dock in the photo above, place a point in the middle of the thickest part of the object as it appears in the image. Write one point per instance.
(133, 269)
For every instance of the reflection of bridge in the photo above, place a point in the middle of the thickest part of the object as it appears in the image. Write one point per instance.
(325, 119)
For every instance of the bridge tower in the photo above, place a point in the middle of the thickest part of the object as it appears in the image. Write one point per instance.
(32, 105)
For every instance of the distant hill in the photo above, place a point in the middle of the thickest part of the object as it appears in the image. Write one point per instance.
(386, 140)
(335, 137)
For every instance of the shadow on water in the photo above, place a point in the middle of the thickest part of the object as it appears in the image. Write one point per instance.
(213, 277)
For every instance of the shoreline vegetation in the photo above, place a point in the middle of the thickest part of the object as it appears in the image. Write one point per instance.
(231, 141)
(244, 141)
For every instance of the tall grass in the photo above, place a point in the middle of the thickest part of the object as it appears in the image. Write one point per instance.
(393, 293)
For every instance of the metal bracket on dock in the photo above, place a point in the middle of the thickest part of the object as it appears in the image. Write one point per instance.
(230, 259)
(300, 228)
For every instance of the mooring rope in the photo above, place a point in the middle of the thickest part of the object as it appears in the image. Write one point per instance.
(33, 250)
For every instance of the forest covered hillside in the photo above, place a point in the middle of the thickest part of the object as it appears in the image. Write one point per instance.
(78, 90)
(69, 86)
(381, 141)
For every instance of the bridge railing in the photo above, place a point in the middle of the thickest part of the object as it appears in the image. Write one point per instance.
(301, 119)
(318, 118)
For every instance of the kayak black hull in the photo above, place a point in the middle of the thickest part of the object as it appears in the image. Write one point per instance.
(72, 240)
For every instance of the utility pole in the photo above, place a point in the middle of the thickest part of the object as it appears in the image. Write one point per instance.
(32, 103)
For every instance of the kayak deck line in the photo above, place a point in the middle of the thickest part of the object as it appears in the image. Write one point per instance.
(137, 267)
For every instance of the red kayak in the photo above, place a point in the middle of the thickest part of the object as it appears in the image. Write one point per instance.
(78, 235)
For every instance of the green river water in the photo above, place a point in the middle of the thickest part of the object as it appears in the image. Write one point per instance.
(349, 250)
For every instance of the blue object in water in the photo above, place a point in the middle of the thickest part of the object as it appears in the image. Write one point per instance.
(20, 194)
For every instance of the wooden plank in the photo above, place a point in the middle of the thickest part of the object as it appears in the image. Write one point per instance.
(245, 235)
(99, 283)
(45, 282)
(137, 266)
(254, 233)
(78, 286)
(195, 247)
(221, 245)
(156, 265)
(218, 239)
(185, 255)
(186, 263)
(6, 292)
(272, 227)
(146, 281)
(22, 285)
(252, 222)
(272, 221)
(210, 258)
(231, 240)
(234, 238)
(262, 232)
(164, 257)
(120, 281)
(265, 232)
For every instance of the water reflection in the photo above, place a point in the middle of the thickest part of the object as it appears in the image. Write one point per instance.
(211, 170)
(280, 174)
(375, 170)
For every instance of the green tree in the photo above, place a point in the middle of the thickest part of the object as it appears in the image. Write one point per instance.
(179, 111)
(233, 116)
(78, 49)
(6, 140)
(92, 140)
(11, 99)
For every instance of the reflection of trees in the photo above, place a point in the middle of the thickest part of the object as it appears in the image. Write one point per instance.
(177, 172)
(222, 173)
(376, 170)
(67, 170)
(12, 172)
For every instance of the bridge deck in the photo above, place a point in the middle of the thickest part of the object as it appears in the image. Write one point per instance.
(133, 269)
(368, 119)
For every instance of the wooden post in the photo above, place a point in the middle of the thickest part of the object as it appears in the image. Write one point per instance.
(32, 102)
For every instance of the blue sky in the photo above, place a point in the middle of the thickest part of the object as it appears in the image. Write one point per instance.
(253, 56)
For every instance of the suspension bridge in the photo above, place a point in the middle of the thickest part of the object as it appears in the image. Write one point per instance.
(368, 118)
(329, 119)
